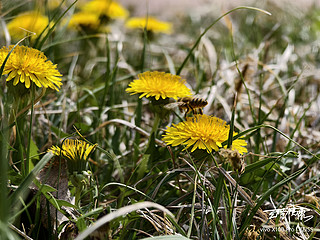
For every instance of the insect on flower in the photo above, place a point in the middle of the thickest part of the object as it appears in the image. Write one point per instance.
(189, 104)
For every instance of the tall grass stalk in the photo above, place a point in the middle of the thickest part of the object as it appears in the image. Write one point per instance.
(209, 27)
(4, 210)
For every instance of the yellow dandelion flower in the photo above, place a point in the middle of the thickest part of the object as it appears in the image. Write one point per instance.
(106, 8)
(203, 132)
(28, 65)
(159, 84)
(84, 19)
(27, 22)
(150, 23)
(53, 4)
(74, 150)
(77, 153)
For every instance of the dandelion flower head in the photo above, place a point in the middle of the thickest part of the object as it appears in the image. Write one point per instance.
(107, 8)
(159, 84)
(27, 22)
(26, 65)
(53, 4)
(150, 23)
(202, 132)
(74, 150)
(84, 19)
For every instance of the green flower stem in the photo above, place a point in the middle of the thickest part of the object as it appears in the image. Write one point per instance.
(156, 123)
(151, 148)
(77, 196)
(138, 124)
(36, 100)
(30, 130)
(76, 180)
(152, 137)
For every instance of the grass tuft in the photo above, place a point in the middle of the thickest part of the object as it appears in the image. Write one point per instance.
(153, 167)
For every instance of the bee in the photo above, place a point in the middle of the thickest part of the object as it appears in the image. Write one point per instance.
(189, 104)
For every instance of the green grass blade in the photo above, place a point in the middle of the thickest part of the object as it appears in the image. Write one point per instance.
(272, 190)
(232, 123)
(4, 204)
(24, 186)
(43, 40)
(192, 208)
(119, 213)
(210, 26)
(170, 237)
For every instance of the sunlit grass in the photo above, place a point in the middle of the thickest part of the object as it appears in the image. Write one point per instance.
(126, 166)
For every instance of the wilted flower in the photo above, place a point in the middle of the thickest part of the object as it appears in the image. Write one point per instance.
(203, 132)
(234, 158)
(159, 84)
(27, 22)
(28, 65)
(107, 8)
(150, 23)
